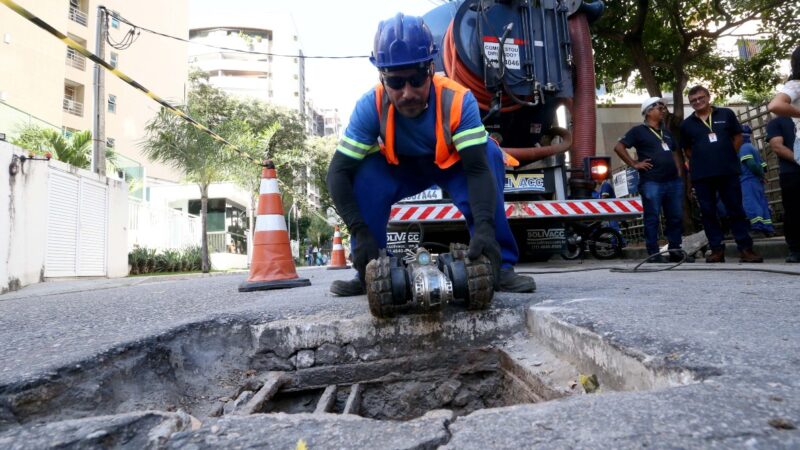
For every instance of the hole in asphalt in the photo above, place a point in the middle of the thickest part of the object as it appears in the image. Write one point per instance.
(386, 370)
(407, 388)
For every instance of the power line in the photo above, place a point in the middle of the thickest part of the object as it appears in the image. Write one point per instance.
(116, 15)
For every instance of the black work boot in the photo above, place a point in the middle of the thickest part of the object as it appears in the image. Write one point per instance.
(678, 255)
(348, 288)
(657, 258)
(511, 281)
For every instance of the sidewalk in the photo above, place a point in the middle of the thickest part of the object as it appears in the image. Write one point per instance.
(774, 248)
(73, 285)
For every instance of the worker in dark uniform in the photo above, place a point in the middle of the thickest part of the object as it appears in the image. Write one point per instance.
(711, 138)
(781, 135)
(660, 182)
(412, 130)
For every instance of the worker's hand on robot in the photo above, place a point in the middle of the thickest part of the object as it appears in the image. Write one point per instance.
(365, 250)
(483, 242)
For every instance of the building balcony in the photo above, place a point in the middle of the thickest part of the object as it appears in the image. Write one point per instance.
(78, 16)
(76, 60)
(253, 66)
(73, 107)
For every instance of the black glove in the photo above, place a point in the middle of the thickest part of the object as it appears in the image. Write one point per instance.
(483, 242)
(366, 250)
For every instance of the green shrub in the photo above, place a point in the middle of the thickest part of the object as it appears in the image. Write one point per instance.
(145, 260)
(136, 259)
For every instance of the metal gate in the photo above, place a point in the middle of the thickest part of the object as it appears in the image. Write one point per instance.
(77, 226)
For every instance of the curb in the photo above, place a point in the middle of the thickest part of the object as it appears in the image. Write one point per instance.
(769, 248)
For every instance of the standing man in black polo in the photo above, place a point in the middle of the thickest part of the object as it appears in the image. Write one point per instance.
(659, 178)
(711, 138)
(781, 136)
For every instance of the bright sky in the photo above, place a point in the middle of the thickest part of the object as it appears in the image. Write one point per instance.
(327, 27)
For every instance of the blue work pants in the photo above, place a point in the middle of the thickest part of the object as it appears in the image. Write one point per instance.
(756, 207)
(666, 195)
(378, 185)
(730, 193)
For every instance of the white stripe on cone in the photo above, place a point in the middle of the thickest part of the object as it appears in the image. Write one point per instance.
(270, 222)
(269, 186)
(338, 247)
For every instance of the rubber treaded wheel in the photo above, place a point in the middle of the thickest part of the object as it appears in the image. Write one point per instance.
(606, 243)
(379, 287)
(479, 277)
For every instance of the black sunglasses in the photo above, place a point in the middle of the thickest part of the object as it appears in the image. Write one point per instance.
(397, 82)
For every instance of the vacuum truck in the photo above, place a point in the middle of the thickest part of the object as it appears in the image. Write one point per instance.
(524, 61)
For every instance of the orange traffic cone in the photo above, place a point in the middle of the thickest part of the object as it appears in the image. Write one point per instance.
(337, 254)
(272, 266)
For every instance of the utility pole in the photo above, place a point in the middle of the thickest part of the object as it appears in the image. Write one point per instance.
(99, 123)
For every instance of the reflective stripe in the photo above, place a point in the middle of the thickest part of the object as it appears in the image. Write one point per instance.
(384, 119)
(338, 247)
(270, 222)
(746, 157)
(446, 107)
(470, 137)
(354, 149)
(269, 186)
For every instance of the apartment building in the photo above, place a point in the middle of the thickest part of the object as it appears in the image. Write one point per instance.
(278, 80)
(43, 82)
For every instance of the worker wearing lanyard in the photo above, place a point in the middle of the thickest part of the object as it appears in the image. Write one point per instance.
(710, 138)
(659, 177)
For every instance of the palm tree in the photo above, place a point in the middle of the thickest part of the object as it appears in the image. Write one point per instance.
(176, 143)
(75, 150)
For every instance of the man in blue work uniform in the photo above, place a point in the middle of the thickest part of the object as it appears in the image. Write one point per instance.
(781, 135)
(753, 177)
(711, 138)
(660, 182)
(414, 129)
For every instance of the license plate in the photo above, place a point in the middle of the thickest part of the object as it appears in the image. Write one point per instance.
(433, 193)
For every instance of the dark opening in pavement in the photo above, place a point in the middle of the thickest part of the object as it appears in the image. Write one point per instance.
(403, 388)
(395, 370)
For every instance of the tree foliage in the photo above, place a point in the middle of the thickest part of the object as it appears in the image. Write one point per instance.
(320, 152)
(75, 150)
(668, 43)
(201, 158)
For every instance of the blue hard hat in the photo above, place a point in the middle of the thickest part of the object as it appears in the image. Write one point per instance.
(746, 129)
(402, 41)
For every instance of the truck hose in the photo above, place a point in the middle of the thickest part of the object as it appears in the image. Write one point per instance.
(583, 106)
(457, 71)
(536, 153)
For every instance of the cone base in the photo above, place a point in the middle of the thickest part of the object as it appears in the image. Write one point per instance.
(338, 267)
(249, 286)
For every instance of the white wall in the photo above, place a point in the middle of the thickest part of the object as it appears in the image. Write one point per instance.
(23, 221)
(23, 200)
